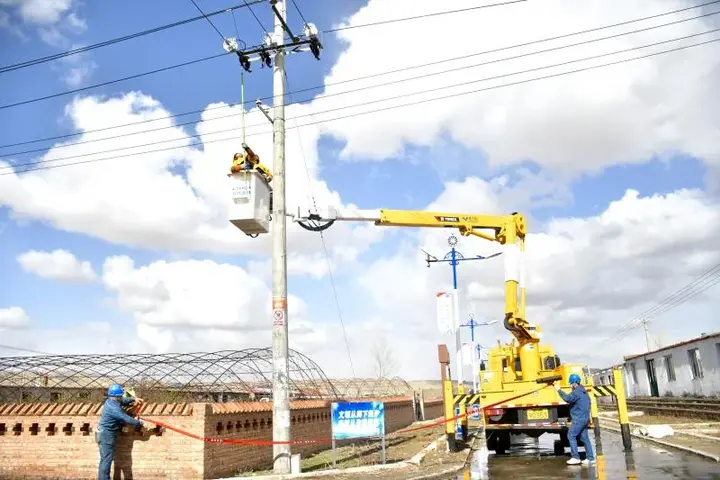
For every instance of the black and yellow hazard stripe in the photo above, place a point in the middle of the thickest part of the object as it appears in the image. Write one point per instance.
(604, 390)
(466, 398)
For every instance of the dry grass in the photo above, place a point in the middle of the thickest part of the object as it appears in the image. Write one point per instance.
(399, 447)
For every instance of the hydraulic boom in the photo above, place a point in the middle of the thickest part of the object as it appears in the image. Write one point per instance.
(508, 230)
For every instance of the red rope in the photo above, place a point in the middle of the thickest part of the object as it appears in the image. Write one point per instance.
(233, 441)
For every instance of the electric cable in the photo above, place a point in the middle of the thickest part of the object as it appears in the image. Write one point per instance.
(75, 51)
(427, 15)
(700, 284)
(302, 17)
(262, 27)
(691, 290)
(57, 137)
(322, 237)
(445, 97)
(111, 82)
(20, 349)
(441, 88)
(210, 21)
(368, 87)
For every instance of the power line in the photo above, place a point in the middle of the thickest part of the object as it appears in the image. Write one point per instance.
(262, 27)
(322, 237)
(445, 97)
(495, 50)
(110, 82)
(427, 15)
(210, 21)
(397, 97)
(19, 349)
(299, 12)
(700, 284)
(87, 48)
(361, 88)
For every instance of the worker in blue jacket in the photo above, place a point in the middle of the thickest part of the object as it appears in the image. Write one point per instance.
(579, 402)
(111, 422)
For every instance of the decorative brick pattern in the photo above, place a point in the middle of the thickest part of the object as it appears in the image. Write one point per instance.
(57, 441)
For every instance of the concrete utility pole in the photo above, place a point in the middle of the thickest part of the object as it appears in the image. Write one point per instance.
(280, 375)
(276, 46)
(647, 334)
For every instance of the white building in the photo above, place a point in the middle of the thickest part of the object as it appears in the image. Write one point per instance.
(691, 367)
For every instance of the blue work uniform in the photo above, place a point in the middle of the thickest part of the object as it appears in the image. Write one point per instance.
(111, 422)
(579, 402)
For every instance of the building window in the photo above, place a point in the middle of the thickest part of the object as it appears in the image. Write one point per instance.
(669, 368)
(717, 349)
(695, 365)
(633, 373)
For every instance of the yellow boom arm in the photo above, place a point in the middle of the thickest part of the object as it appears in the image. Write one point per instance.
(508, 230)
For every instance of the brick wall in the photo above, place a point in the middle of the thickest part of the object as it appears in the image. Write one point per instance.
(57, 440)
(433, 409)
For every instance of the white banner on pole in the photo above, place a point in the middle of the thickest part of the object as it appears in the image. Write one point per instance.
(468, 354)
(445, 312)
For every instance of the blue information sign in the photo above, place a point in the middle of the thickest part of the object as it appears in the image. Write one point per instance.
(357, 419)
(458, 425)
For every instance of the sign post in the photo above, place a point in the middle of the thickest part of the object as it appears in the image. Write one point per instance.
(358, 420)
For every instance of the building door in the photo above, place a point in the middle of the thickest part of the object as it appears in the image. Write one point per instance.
(652, 378)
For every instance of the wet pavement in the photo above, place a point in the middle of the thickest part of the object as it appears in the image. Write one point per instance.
(533, 459)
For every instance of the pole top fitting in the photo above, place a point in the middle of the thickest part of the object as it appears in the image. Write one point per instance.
(452, 240)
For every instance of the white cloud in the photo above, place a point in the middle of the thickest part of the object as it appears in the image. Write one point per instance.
(77, 75)
(574, 123)
(174, 199)
(190, 303)
(13, 317)
(76, 23)
(41, 12)
(57, 265)
(586, 276)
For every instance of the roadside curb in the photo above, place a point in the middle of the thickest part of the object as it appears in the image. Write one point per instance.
(700, 453)
(441, 474)
(415, 461)
(418, 457)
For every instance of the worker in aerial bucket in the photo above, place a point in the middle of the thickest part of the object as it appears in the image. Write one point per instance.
(579, 402)
(249, 161)
(111, 422)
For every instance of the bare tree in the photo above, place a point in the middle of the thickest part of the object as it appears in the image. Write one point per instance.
(384, 362)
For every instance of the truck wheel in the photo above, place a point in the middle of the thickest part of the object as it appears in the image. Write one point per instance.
(491, 440)
(502, 443)
(564, 439)
(558, 447)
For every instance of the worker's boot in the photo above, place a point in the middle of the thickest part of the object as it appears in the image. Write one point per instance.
(574, 461)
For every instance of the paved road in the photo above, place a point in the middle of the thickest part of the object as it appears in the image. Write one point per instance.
(529, 459)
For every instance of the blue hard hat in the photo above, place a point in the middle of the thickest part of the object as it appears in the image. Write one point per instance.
(115, 390)
(575, 378)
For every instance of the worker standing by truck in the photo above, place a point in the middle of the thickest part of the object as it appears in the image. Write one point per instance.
(111, 422)
(579, 402)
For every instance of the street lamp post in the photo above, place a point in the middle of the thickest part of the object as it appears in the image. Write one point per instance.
(472, 324)
(454, 257)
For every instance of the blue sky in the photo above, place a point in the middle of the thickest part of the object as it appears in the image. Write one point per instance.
(408, 179)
